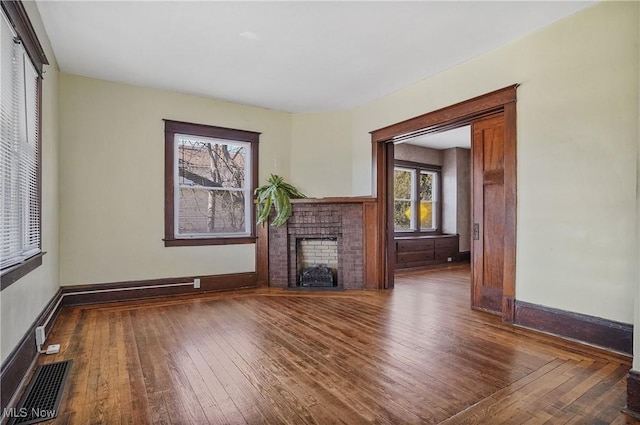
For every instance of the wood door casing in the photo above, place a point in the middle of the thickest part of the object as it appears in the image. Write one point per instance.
(489, 213)
(389, 282)
(450, 117)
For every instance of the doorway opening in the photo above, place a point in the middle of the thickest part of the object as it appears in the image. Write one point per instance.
(492, 122)
(432, 199)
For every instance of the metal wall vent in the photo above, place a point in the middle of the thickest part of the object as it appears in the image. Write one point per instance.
(41, 400)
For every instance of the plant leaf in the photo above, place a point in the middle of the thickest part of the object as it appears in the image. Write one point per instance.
(283, 208)
(277, 194)
(278, 204)
(263, 210)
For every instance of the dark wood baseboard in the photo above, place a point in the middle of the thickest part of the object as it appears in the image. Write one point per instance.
(633, 394)
(600, 332)
(144, 289)
(433, 267)
(464, 256)
(18, 364)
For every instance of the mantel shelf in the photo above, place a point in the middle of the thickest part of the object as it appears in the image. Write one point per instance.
(335, 200)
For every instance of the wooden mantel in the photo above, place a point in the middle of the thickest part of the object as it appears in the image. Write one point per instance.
(335, 200)
(370, 238)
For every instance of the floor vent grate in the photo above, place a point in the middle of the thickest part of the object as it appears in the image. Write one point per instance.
(41, 400)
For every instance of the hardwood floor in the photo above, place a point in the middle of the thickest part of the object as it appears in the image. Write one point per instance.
(414, 355)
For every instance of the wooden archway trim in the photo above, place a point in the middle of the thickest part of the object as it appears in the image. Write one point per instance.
(451, 116)
(502, 100)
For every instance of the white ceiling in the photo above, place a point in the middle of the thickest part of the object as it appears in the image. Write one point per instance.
(299, 56)
(456, 138)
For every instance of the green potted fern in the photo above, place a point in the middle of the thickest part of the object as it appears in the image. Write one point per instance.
(277, 194)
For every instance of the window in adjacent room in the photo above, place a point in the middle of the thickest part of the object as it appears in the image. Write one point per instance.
(416, 198)
(210, 176)
(21, 65)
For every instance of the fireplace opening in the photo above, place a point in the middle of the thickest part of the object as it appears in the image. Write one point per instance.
(317, 262)
(316, 276)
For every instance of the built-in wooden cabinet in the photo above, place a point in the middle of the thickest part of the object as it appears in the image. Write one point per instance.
(421, 251)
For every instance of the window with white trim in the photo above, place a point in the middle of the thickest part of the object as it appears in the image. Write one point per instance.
(212, 171)
(19, 149)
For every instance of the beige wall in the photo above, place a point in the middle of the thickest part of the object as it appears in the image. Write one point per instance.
(22, 302)
(456, 195)
(321, 153)
(463, 168)
(111, 180)
(405, 152)
(449, 196)
(577, 147)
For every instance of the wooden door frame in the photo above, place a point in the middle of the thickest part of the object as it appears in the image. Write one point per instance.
(450, 117)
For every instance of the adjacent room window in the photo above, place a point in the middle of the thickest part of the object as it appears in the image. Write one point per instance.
(21, 63)
(211, 174)
(416, 198)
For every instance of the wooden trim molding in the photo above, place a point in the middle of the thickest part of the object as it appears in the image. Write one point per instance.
(19, 18)
(381, 165)
(262, 255)
(144, 289)
(337, 200)
(633, 394)
(451, 116)
(508, 308)
(209, 241)
(510, 213)
(13, 273)
(371, 245)
(19, 363)
(592, 330)
(215, 132)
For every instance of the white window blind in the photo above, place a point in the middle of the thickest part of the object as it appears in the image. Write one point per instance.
(19, 196)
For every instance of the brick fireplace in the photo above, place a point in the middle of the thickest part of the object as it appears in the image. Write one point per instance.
(334, 229)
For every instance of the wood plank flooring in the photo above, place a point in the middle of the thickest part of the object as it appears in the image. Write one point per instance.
(414, 355)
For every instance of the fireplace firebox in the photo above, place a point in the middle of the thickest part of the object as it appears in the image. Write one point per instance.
(317, 276)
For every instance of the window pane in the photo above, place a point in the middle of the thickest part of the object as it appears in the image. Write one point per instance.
(402, 184)
(402, 215)
(211, 211)
(426, 215)
(427, 181)
(203, 162)
(19, 158)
